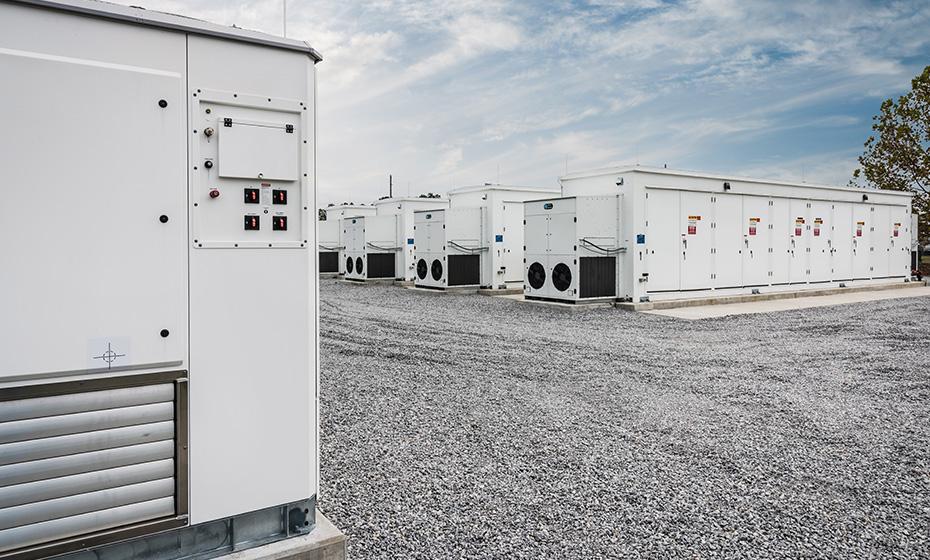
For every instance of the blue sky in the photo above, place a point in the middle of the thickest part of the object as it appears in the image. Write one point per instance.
(444, 94)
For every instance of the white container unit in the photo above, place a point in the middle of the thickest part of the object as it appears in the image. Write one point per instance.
(573, 247)
(371, 247)
(449, 247)
(403, 208)
(502, 228)
(339, 213)
(690, 234)
(159, 349)
(329, 247)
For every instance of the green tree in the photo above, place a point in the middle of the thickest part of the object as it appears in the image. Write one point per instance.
(897, 155)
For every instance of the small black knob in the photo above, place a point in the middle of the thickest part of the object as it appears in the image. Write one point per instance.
(208, 164)
(163, 219)
(164, 333)
(162, 103)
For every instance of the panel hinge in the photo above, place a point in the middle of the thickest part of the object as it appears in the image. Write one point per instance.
(289, 128)
(227, 122)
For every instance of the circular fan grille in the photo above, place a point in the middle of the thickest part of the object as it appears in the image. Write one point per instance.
(359, 267)
(422, 269)
(561, 277)
(349, 266)
(436, 270)
(536, 275)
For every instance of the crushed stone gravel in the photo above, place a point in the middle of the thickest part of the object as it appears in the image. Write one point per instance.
(465, 426)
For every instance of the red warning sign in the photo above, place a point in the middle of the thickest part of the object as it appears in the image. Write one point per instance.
(798, 226)
(817, 223)
(692, 224)
(753, 224)
(859, 226)
(896, 228)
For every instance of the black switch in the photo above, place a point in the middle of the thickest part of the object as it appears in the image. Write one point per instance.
(252, 223)
(252, 196)
(279, 223)
(280, 197)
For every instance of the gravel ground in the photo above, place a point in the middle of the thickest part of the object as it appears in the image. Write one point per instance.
(463, 426)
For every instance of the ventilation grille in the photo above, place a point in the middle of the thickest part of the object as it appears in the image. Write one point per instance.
(329, 261)
(381, 265)
(598, 277)
(80, 458)
(464, 270)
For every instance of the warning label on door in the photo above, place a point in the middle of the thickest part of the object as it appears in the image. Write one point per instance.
(798, 226)
(817, 223)
(753, 225)
(859, 226)
(692, 224)
(896, 228)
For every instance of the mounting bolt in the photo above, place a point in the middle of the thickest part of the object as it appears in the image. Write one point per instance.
(163, 219)
(208, 164)
(164, 333)
(214, 193)
(162, 103)
(209, 131)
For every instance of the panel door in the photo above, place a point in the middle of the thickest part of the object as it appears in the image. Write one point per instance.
(821, 234)
(663, 240)
(861, 243)
(780, 228)
(842, 241)
(756, 236)
(728, 240)
(881, 241)
(695, 219)
(800, 241)
(899, 264)
(95, 222)
(536, 232)
(512, 247)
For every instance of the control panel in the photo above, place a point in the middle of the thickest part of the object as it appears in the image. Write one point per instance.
(249, 171)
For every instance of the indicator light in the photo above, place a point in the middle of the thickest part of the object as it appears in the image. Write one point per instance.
(252, 223)
(279, 223)
(251, 196)
(280, 196)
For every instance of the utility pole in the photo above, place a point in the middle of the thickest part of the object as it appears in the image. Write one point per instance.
(390, 186)
(284, 2)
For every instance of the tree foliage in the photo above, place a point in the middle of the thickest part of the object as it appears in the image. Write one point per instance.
(897, 155)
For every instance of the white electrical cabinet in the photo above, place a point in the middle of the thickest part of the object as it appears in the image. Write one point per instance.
(337, 214)
(371, 247)
(449, 247)
(158, 342)
(501, 230)
(403, 208)
(329, 235)
(689, 234)
(573, 247)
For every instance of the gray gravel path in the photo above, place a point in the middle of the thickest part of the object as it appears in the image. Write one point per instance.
(462, 426)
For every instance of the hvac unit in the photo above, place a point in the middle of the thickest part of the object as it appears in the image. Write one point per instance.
(449, 248)
(159, 350)
(329, 233)
(501, 230)
(337, 214)
(371, 247)
(572, 248)
(403, 208)
(692, 234)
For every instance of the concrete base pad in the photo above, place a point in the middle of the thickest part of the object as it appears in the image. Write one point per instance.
(802, 301)
(769, 296)
(359, 282)
(329, 275)
(325, 542)
(452, 290)
(580, 306)
(501, 291)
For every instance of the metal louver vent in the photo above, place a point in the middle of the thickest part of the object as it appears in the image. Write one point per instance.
(88, 462)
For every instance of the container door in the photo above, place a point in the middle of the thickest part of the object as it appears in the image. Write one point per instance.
(780, 228)
(695, 221)
(512, 245)
(899, 264)
(821, 218)
(756, 234)
(728, 240)
(800, 244)
(663, 240)
(842, 241)
(860, 241)
(536, 241)
(881, 241)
